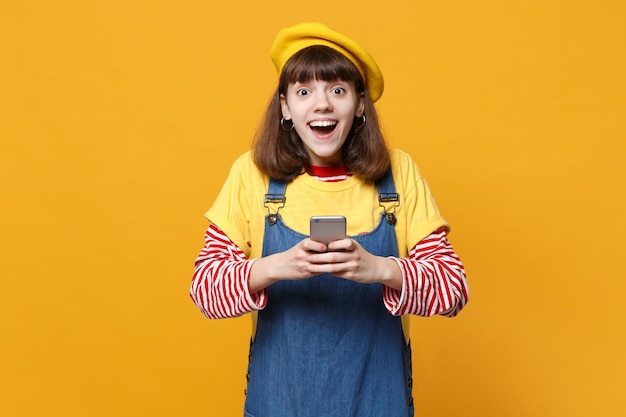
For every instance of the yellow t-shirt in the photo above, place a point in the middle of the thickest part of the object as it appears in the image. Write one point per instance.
(239, 208)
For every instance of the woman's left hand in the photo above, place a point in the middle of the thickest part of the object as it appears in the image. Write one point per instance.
(347, 259)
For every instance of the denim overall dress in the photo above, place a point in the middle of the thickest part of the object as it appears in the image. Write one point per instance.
(326, 346)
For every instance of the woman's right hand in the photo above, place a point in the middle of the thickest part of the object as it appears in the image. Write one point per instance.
(292, 264)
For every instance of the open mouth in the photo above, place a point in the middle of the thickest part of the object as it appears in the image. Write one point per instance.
(323, 126)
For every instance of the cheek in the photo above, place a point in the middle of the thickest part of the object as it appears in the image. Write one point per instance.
(297, 116)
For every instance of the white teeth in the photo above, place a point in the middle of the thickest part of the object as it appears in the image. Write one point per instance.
(322, 123)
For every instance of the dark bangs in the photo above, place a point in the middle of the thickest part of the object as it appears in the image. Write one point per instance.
(321, 63)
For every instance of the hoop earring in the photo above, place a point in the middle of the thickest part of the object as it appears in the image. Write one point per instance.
(282, 124)
(363, 121)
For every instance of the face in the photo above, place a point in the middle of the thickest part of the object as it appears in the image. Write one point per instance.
(322, 113)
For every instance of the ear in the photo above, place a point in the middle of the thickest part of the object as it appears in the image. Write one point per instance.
(285, 107)
(360, 105)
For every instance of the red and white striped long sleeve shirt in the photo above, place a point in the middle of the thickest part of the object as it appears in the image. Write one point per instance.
(433, 280)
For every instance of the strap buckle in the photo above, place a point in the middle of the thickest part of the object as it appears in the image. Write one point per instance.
(273, 203)
(389, 202)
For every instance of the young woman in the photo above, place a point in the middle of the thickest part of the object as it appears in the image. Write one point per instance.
(330, 331)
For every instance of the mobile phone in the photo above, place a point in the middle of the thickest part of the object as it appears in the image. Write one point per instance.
(325, 229)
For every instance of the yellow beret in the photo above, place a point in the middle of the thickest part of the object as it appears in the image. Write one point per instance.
(295, 38)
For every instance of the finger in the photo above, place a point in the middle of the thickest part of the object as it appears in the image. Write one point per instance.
(342, 245)
(329, 258)
(314, 246)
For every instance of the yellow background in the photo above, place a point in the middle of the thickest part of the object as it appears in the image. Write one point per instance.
(119, 121)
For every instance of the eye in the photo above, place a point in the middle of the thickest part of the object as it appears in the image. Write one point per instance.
(302, 92)
(338, 90)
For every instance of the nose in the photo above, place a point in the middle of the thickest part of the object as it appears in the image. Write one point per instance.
(322, 102)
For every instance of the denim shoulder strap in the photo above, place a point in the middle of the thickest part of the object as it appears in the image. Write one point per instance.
(385, 185)
(276, 187)
(274, 199)
(388, 199)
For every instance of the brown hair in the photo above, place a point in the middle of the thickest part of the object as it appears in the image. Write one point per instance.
(282, 155)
